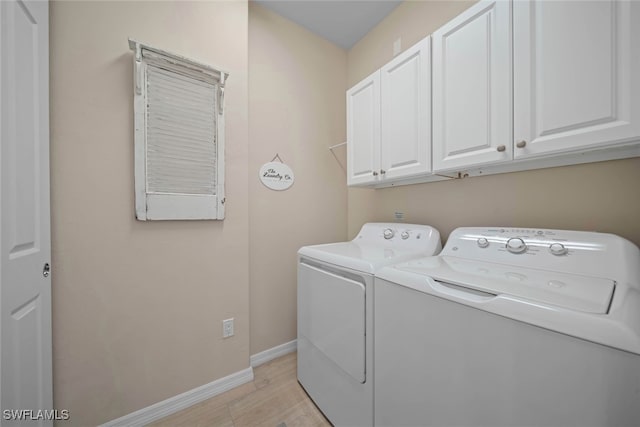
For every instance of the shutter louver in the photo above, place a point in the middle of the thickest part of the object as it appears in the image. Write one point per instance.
(181, 146)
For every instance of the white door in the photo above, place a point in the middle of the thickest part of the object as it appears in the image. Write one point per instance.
(363, 131)
(472, 121)
(25, 292)
(406, 113)
(576, 75)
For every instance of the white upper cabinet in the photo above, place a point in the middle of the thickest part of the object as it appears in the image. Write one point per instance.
(389, 120)
(406, 113)
(504, 86)
(472, 96)
(576, 75)
(363, 131)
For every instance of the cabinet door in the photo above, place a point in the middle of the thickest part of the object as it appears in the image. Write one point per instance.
(363, 131)
(472, 120)
(406, 113)
(576, 75)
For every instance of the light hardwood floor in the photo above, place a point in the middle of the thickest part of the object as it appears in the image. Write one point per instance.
(273, 399)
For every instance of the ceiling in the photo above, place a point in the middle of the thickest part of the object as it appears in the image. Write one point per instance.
(342, 22)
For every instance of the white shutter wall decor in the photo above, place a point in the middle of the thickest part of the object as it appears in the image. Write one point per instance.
(179, 136)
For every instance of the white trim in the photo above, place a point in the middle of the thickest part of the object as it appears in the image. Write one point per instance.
(138, 47)
(181, 401)
(273, 353)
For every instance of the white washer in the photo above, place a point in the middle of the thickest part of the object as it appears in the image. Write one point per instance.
(511, 327)
(335, 314)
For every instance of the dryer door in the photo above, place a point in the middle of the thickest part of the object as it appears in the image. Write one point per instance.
(331, 315)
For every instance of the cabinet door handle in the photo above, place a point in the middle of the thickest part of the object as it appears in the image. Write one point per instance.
(375, 173)
(521, 144)
(382, 171)
(501, 148)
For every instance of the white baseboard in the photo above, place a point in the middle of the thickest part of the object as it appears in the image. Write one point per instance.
(273, 353)
(174, 404)
(184, 400)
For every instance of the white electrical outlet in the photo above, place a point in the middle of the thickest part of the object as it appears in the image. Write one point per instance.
(227, 328)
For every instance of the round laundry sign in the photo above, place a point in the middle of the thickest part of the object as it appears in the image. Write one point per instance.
(276, 176)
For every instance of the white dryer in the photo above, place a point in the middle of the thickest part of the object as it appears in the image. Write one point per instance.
(511, 327)
(335, 314)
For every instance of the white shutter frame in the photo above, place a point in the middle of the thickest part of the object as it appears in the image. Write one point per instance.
(172, 205)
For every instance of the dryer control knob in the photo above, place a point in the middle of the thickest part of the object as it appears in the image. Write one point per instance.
(557, 249)
(388, 233)
(405, 235)
(483, 243)
(516, 245)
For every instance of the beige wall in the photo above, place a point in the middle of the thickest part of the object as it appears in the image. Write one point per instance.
(297, 84)
(411, 21)
(599, 196)
(138, 306)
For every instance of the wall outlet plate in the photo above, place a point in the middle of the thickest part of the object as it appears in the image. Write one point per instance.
(227, 328)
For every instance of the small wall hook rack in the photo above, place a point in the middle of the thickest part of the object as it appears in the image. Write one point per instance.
(337, 145)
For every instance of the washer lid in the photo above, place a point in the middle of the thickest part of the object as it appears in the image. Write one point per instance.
(574, 292)
(367, 258)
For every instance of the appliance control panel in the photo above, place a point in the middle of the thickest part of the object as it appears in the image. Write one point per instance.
(409, 236)
(577, 252)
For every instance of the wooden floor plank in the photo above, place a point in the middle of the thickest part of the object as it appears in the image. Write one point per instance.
(281, 369)
(274, 398)
(302, 414)
(192, 415)
(266, 403)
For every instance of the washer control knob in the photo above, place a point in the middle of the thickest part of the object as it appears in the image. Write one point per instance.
(388, 233)
(516, 245)
(557, 249)
(483, 243)
(405, 235)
